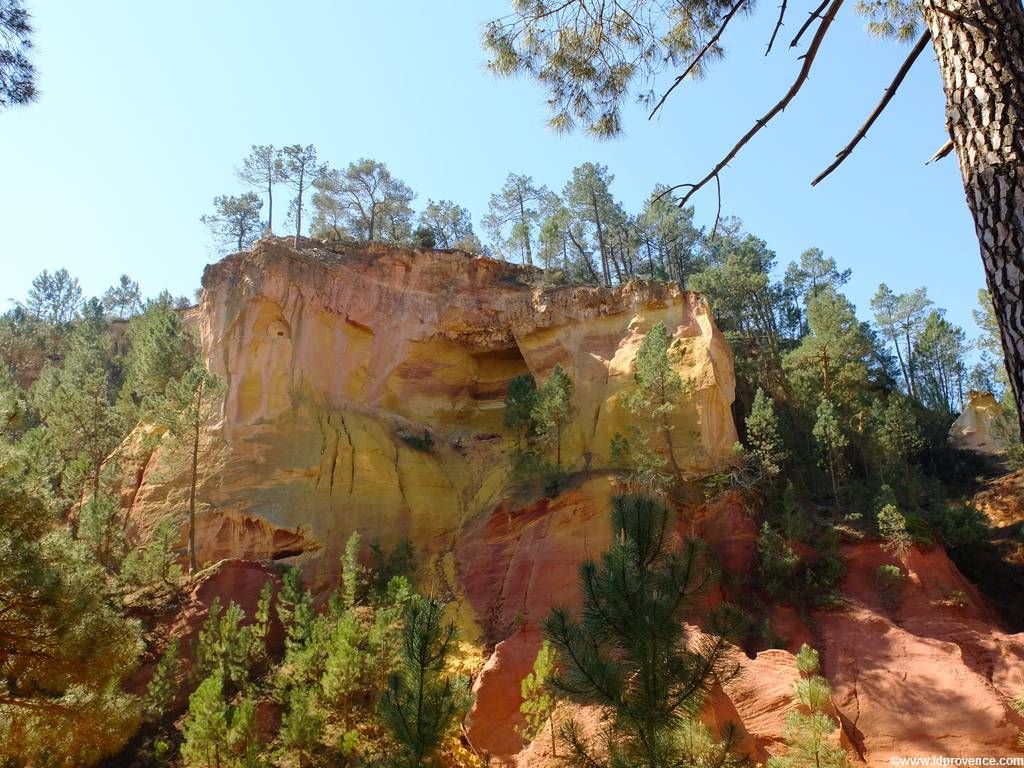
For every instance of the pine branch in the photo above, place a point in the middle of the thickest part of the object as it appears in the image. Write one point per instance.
(805, 70)
(846, 151)
(778, 26)
(697, 59)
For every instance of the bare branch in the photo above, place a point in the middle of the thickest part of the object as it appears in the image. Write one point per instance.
(778, 26)
(846, 151)
(815, 14)
(703, 52)
(801, 78)
(941, 152)
(718, 212)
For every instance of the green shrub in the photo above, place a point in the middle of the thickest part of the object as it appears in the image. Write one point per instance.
(890, 583)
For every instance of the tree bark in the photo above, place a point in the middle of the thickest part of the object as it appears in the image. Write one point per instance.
(600, 241)
(193, 564)
(980, 49)
(270, 200)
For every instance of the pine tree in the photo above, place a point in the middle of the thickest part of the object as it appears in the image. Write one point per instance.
(520, 402)
(294, 610)
(658, 387)
(262, 169)
(162, 350)
(538, 703)
(206, 726)
(188, 405)
(77, 403)
(763, 436)
(628, 652)
(223, 646)
(154, 566)
(345, 665)
(352, 573)
(809, 729)
(163, 685)
(892, 526)
(422, 701)
(553, 410)
(260, 627)
(301, 726)
(66, 646)
(124, 299)
(831, 440)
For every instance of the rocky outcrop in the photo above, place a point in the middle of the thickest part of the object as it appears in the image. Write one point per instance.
(973, 428)
(365, 392)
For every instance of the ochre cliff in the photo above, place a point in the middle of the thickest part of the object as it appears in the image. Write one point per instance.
(338, 362)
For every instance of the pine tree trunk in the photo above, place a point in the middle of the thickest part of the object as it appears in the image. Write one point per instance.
(193, 561)
(270, 203)
(600, 241)
(980, 49)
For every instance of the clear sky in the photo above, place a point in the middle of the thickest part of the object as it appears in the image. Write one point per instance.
(147, 108)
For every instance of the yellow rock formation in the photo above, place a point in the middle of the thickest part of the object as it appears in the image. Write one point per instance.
(338, 361)
(973, 428)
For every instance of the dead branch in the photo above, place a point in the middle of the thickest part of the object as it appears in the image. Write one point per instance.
(801, 78)
(703, 52)
(941, 152)
(846, 151)
(778, 26)
(815, 14)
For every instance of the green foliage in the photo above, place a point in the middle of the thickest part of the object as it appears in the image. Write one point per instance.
(294, 611)
(553, 410)
(449, 226)
(808, 661)
(627, 650)
(235, 222)
(512, 216)
(777, 564)
(219, 733)
(54, 298)
(809, 730)
(67, 644)
(77, 403)
(892, 527)
(889, 579)
(538, 703)
(399, 562)
(960, 525)
(520, 402)
(422, 701)
(163, 685)
(223, 646)
(352, 574)
(589, 56)
(789, 578)
(658, 387)
(154, 567)
(301, 725)
(763, 436)
(162, 350)
(831, 440)
(123, 300)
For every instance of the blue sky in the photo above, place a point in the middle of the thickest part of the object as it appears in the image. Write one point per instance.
(146, 109)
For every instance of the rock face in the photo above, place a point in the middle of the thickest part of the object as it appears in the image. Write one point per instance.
(973, 427)
(365, 393)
